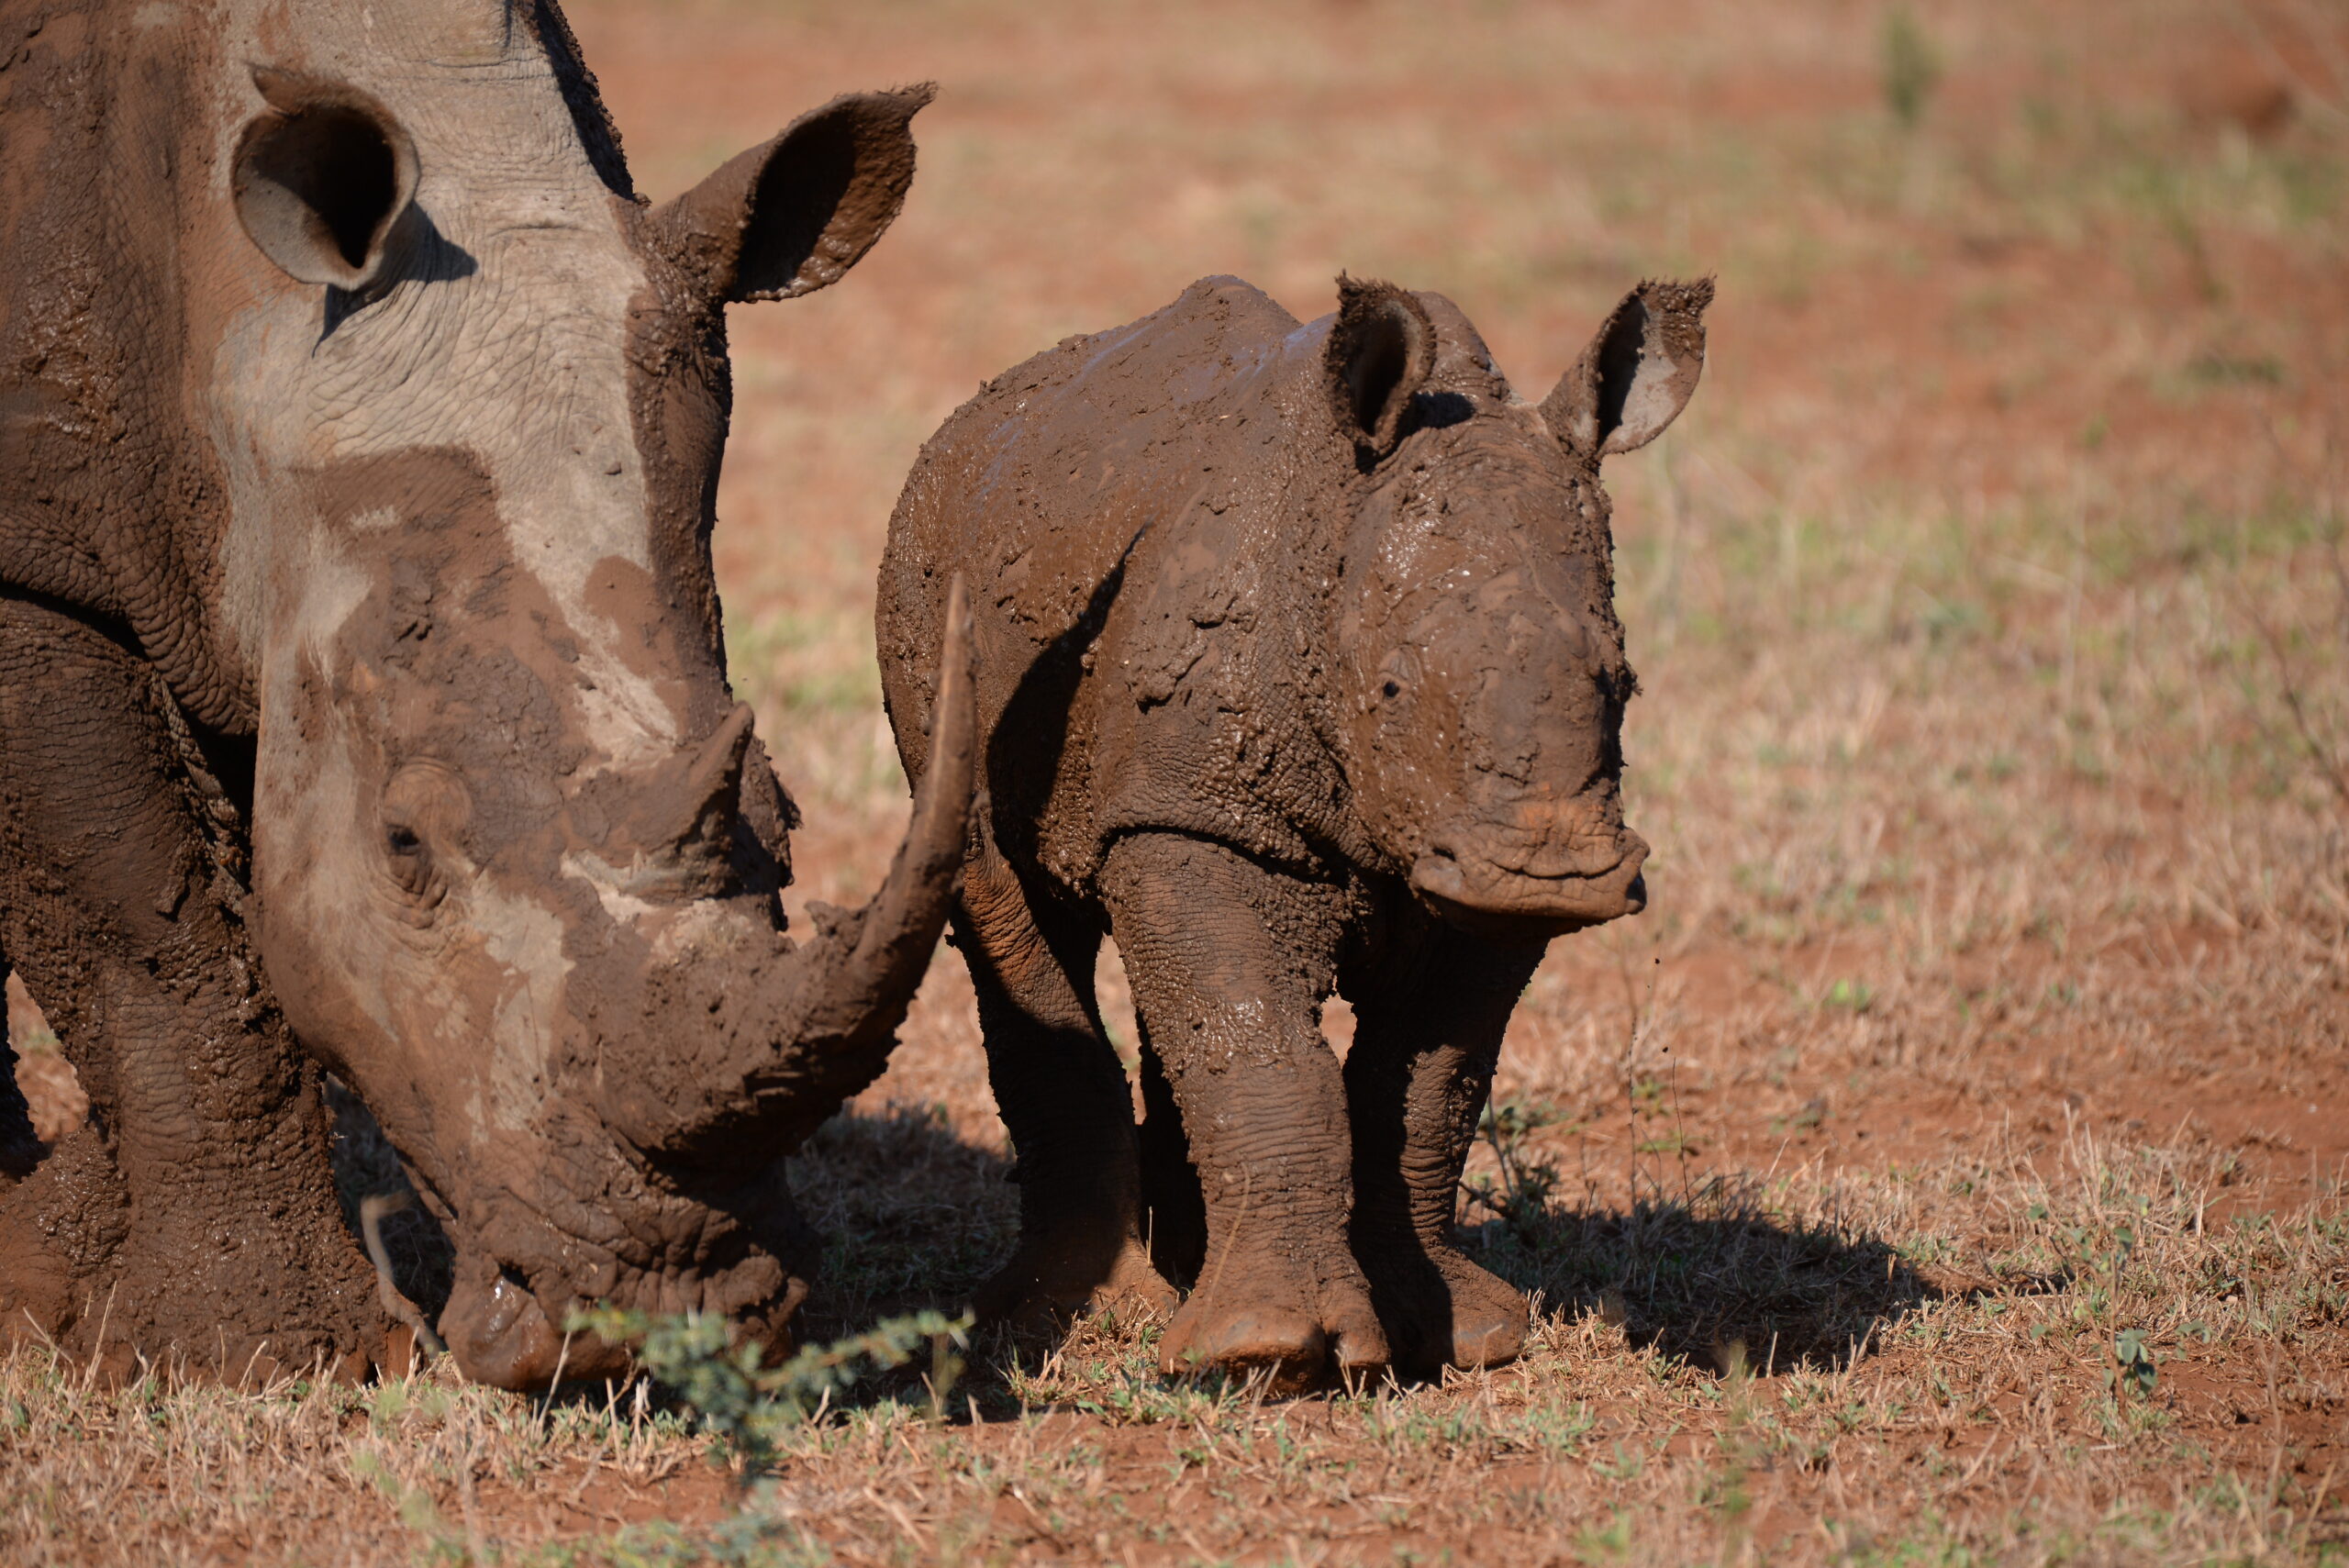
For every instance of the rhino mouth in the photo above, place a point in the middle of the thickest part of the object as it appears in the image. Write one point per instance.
(1475, 893)
(502, 1332)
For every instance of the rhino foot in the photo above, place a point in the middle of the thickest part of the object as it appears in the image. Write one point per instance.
(1443, 1310)
(1243, 1324)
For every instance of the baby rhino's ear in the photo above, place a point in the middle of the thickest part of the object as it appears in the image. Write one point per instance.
(1381, 350)
(1637, 375)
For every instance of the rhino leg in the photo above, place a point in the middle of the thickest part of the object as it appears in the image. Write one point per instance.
(193, 1212)
(1230, 961)
(1429, 1014)
(1061, 1092)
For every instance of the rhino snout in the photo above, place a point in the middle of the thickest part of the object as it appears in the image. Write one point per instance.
(498, 1333)
(1498, 889)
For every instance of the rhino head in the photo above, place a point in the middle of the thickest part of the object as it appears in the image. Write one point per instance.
(516, 848)
(1481, 677)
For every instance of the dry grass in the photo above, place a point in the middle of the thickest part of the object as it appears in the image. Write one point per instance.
(1993, 617)
(1914, 1366)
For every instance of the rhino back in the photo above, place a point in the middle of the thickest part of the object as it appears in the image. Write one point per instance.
(1116, 504)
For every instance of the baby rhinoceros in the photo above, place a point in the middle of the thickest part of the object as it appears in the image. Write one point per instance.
(1299, 672)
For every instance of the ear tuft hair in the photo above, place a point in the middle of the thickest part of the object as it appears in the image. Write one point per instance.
(1381, 352)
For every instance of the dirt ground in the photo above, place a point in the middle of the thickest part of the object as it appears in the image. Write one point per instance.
(1949, 1166)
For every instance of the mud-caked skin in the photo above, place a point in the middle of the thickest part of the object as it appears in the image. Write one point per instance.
(362, 697)
(1299, 672)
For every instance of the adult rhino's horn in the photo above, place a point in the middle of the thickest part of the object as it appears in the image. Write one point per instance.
(777, 1037)
(697, 801)
(860, 971)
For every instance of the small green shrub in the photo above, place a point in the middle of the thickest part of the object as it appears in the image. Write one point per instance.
(746, 1405)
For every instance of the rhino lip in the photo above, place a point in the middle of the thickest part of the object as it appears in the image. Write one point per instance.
(499, 1333)
(1505, 903)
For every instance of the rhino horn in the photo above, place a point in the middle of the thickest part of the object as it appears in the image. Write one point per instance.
(781, 1036)
(698, 803)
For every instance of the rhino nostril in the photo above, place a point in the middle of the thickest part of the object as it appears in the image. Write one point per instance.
(1635, 898)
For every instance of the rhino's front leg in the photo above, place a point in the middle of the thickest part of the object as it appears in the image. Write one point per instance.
(195, 1211)
(1430, 1013)
(1229, 963)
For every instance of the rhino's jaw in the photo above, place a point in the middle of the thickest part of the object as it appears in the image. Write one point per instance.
(524, 1273)
(1477, 893)
(502, 1333)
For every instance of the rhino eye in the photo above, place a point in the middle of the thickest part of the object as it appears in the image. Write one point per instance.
(410, 865)
(1391, 690)
(420, 831)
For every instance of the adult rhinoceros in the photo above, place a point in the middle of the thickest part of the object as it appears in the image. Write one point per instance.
(362, 683)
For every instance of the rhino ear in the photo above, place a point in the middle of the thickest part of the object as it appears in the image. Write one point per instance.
(1637, 375)
(1381, 350)
(321, 179)
(791, 216)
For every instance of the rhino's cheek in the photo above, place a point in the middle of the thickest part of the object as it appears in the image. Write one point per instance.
(318, 937)
(1405, 767)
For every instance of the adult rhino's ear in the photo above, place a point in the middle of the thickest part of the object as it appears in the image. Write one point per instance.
(321, 179)
(1638, 372)
(1381, 350)
(791, 216)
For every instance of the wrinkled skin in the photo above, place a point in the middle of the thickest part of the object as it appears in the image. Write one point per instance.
(364, 696)
(1301, 672)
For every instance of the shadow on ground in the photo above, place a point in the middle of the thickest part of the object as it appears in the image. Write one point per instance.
(1713, 1277)
(909, 1214)
(913, 1217)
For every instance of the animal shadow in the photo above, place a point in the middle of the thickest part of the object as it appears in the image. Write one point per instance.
(1712, 1277)
(1024, 751)
(422, 1258)
(908, 1215)
(912, 1216)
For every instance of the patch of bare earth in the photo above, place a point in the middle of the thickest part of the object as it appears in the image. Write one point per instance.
(1990, 1020)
